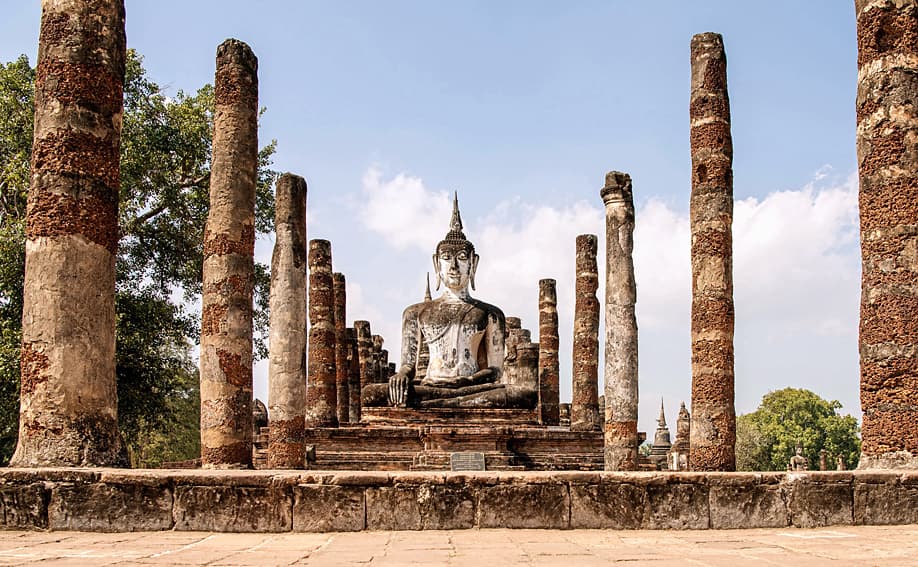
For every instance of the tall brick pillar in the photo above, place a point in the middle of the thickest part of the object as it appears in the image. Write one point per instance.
(365, 353)
(585, 375)
(353, 376)
(287, 356)
(713, 434)
(69, 401)
(321, 383)
(549, 396)
(341, 364)
(887, 154)
(621, 349)
(229, 248)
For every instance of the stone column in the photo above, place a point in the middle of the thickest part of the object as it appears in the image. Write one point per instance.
(341, 364)
(585, 387)
(376, 353)
(353, 377)
(527, 372)
(365, 353)
(621, 354)
(548, 353)
(321, 385)
(69, 400)
(887, 154)
(711, 210)
(287, 355)
(229, 247)
(383, 366)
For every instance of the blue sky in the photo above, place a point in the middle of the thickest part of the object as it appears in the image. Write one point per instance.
(522, 107)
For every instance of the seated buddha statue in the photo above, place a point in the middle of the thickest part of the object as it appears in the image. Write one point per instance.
(464, 338)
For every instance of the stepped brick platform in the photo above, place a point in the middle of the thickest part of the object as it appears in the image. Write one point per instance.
(114, 500)
(429, 447)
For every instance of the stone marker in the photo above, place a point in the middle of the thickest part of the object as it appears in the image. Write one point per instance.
(887, 154)
(585, 374)
(69, 401)
(229, 247)
(711, 210)
(549, 378)
(287, 354)
(341, 364)
(621, 354)
(321, 386)
(467, 461)
(353, 376)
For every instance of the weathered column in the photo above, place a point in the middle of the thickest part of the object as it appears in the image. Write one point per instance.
(621, 354)
(376, 351)
(365, 353)
(383, 366)
(585, 387)
(341, 364)
(321, 385)
(286, 368)
(353, 376)
(423, 350)
(887, 154)
(229, 248)
(711, 210)
(527, 371)
(69, 401)
(549, 396)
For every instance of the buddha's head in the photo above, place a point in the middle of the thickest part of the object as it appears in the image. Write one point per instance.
(455, 260)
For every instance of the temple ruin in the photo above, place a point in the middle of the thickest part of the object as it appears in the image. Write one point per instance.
(469, 390)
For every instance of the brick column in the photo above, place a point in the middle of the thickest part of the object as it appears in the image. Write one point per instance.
(341, 364)
(229, 247)
(286, 368)
(548, 353)
(511, 363)
(621, 354)
(365, 352)
(353, 376)
(585, 375)
(376, 350)
(711, 210)
(887, 154)
(69, 401)
(321, 385)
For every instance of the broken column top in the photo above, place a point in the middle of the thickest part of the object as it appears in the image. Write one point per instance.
(237, 51)
(707, 40)
(617, 188)
(514, 323)
(290, 199)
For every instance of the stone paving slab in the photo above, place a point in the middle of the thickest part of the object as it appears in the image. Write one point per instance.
(845, 545)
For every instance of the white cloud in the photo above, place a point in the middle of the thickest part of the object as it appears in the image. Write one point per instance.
(402, 210)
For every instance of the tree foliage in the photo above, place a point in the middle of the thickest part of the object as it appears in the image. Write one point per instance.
(164, 200)
(766, 438)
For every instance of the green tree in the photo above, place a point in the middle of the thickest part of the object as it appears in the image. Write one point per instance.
(164, 198)
(766, 438)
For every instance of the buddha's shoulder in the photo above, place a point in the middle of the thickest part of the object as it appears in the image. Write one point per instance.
(492, 310)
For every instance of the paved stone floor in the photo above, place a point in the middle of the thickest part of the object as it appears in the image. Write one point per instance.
(862, 545)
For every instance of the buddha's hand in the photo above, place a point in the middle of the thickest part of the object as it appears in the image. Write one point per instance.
(398, 388)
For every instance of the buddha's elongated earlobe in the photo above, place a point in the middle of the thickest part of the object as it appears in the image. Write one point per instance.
(472, 270)
(436, 266)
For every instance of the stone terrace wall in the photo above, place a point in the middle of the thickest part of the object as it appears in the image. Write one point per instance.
(272, 501)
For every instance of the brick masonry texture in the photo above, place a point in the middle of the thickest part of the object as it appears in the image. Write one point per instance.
(713, 432)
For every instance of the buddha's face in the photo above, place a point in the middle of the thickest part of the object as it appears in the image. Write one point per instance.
(455, 266)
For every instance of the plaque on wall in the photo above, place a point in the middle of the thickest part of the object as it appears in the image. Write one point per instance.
(467, 461)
